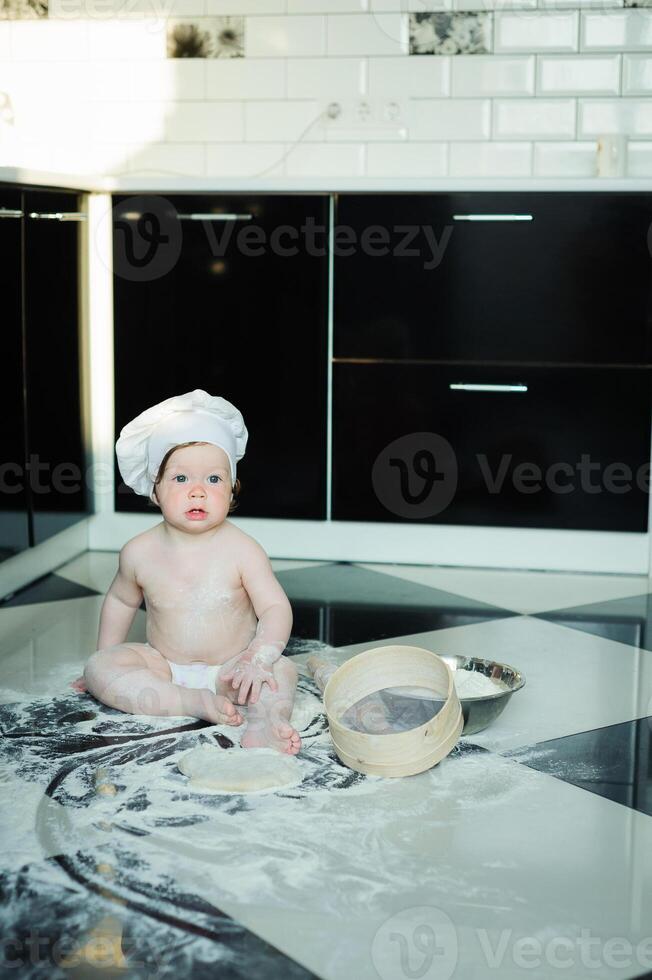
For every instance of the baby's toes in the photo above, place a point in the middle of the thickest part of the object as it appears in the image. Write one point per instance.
(295, 743)
(227, 712)
(291, 738)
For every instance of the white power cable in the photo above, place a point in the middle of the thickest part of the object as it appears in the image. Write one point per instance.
(332, 111)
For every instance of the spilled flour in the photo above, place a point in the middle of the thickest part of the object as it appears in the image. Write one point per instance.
(330, 854)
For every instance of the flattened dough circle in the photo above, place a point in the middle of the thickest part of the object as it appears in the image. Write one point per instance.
(239, 770)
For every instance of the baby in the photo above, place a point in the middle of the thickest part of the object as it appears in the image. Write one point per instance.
(217, 618)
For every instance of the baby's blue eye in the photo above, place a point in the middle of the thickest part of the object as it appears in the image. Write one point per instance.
(181, 477)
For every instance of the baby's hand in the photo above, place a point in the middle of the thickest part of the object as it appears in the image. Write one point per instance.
(249, 677)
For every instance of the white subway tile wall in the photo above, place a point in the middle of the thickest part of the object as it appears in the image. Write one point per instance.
(534, 118)
(492, 75)
(494, 159)
(326, 78)
(333, 160)
(529, 31)
(182, 158)
(597, 74)
(417, 77)
(407, 159)
(556, 159)
(370, 34)
(328, 88)
(637, 74)
(449, 119)
(285, 37)
(629, 30)
(245, 159)
(241, 78)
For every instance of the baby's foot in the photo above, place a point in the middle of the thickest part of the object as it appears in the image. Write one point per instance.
(279, 735)
(79, 685)
(220, 711)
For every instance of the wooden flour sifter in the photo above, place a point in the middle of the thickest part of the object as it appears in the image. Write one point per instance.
(361, 680)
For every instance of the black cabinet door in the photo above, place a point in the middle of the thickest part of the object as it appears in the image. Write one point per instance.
(542, 278)
(54, 426)
(238, 308)
(14, 522)
(557, 448)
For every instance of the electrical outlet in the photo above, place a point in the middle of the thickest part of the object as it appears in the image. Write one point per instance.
(363, 117)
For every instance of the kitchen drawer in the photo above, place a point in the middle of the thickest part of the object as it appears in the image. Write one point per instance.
(558, 448)
(52, 353)
(567, 279)
(241, 317)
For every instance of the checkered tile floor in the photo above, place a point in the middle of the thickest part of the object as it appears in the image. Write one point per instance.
(526, 853)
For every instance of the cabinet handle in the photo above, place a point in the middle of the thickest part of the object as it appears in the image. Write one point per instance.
(465, 386)
(57, 215)
(214, 217)
(493, 217)
(10, 213)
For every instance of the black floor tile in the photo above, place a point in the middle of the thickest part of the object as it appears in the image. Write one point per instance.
(626, 620)
(614, 762)
(52, 923)
(341, 603)
(50, 588)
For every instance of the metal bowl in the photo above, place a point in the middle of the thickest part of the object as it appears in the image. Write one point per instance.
(480, 712)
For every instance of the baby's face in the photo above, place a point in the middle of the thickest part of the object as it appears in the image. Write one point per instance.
(195, 492)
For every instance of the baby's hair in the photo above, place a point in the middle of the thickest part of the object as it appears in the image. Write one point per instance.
(182, 445)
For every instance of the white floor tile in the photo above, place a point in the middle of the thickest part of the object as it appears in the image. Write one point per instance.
(288, 565)
(45, 645)
(480, 852)
(523, 592)
(574, 681)
(94, 569)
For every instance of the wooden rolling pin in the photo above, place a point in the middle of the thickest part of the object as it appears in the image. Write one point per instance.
(320, 671)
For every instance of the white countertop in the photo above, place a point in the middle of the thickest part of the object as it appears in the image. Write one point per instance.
(134, 184)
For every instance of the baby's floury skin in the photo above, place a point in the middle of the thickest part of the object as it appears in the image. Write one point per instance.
(211, 598)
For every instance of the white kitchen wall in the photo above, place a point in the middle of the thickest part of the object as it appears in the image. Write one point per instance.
(501, 88)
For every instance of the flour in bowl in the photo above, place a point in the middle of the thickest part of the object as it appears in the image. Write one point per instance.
(473, 684)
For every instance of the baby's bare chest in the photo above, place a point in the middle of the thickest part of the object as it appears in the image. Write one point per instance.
(173, 589)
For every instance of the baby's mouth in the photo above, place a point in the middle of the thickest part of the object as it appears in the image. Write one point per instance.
(196, 510)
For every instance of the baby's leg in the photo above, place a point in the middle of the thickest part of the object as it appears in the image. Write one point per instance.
(136, 678)
(269, 718)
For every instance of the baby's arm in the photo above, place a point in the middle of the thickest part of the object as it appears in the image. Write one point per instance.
(274, 613)
(121, 602)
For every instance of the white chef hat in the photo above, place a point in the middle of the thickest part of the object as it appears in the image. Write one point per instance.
(193, 417)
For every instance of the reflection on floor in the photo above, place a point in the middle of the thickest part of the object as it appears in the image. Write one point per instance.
(526, 853)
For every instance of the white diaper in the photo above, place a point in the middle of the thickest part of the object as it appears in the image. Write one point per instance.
(195, 675)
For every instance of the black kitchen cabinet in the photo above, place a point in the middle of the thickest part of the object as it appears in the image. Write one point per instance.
(55, 448)
(215, 292)
(500, 277)
(557, 448)
(42, 471)
(14, 513)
